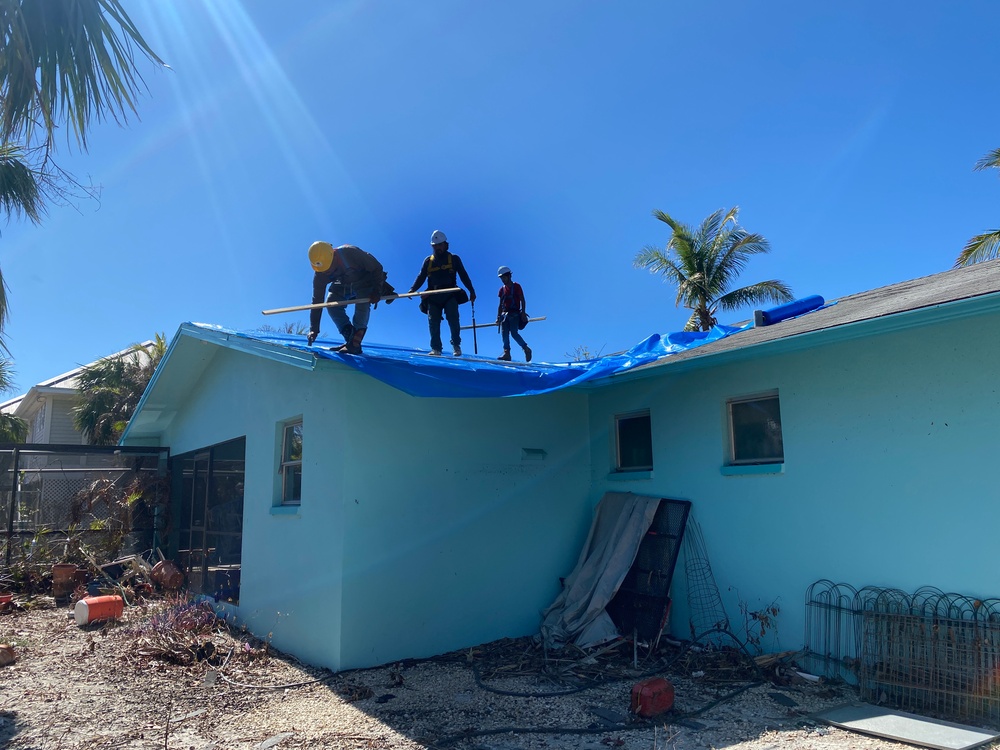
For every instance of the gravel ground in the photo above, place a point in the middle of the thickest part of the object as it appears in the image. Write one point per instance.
(181, 682)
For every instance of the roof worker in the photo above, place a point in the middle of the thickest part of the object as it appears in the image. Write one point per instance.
(440, 270)
(511, 314)
(350, 273)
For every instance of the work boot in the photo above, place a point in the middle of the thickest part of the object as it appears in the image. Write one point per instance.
(434, 352)
(505, 357)
(354, 345)
(527, 353)
(348, 333)
(456, 350)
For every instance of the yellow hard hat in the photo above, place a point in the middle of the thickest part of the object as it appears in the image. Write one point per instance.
(321, 256)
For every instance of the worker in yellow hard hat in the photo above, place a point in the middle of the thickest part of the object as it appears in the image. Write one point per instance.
(350, 273)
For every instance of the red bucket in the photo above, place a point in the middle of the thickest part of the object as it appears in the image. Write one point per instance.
(652, 697)
(96, 608)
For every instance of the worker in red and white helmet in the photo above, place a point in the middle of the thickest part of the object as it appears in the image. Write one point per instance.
(441, 269)
(512, 314)
(350, 273)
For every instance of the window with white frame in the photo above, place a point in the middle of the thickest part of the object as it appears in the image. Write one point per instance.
(633, 442)
(291, 463)
(755, 430)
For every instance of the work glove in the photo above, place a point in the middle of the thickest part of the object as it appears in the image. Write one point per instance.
(472, 296)
(311, 337)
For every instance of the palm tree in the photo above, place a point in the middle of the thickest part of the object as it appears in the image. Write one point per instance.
(12, 429)
(62, 63)
(71, 61)
(706, 264)
(110, 390)
(984, 246)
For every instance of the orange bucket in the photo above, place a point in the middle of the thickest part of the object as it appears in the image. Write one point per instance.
(96, 608)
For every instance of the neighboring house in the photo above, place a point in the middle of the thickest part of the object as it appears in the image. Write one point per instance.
(356, 524)
(47, 483)
(47, 407)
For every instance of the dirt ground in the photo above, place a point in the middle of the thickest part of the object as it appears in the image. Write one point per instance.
(170, 677)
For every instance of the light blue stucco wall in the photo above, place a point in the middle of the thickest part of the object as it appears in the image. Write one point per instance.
(422, 529)
(888, 478)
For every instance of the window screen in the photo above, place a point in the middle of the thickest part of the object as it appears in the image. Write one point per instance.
(291, 464)
(635, 442)
(755, 431)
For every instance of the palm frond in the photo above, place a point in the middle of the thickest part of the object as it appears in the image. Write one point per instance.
(12, 429)
(6, 375)
(992, 159)
(764, 291)
(980, 248)
(20, 192)
(71, 60)
(675, 226)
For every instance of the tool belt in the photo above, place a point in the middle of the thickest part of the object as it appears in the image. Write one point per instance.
(440, 300)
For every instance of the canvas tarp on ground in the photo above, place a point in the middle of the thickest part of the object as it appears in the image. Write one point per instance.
(578, 615)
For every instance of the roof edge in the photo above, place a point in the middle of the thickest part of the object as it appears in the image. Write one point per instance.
(938, 313)
(227, 340)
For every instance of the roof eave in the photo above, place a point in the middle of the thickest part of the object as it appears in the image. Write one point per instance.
(226, 340)
(900, 321)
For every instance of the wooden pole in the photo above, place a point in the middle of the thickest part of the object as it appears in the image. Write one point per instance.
(490, 325)
(346, 302)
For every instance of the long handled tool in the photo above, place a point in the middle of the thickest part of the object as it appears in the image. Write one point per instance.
(475, 344)
(474, 325)
(346, 302)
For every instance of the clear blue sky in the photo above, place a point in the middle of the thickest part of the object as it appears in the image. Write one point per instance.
(538, 135)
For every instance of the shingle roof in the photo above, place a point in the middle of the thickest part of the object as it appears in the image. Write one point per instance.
(896, 299)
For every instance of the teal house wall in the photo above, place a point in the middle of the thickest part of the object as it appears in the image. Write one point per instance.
(888, 476)
(432, 524)
(422, 528)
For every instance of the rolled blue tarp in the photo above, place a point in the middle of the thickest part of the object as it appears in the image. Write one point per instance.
(788, 310)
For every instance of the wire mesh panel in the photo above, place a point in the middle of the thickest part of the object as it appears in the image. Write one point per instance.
(58, 500)
(707, 611)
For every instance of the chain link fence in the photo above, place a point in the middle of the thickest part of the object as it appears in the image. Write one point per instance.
(80, 504)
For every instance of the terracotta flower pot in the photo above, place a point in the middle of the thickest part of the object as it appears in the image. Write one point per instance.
(168, 575)
(63, 579)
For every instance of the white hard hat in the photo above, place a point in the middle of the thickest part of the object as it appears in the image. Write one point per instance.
(438, 237)
(502, 270)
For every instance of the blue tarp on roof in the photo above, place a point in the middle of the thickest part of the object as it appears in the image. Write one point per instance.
(415, 372)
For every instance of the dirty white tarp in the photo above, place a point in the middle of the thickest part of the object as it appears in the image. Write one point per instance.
(578, 614)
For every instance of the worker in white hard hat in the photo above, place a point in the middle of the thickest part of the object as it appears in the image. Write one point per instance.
(441, 270)
(512, 314)
(350, 273)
